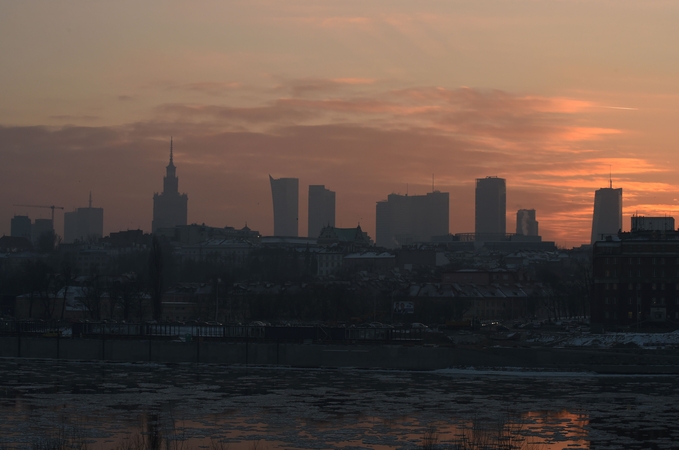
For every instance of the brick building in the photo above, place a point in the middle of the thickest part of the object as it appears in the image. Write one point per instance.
(636, 279)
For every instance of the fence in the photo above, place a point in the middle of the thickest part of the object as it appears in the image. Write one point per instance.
(187, 332)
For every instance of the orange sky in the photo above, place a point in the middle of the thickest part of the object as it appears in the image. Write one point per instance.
(366, 97)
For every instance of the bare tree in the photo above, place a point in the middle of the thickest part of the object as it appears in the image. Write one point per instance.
(156, 278)
(94, 290)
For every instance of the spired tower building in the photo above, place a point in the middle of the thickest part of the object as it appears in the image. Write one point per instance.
(169, 207)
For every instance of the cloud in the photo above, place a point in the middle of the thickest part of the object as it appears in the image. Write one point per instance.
(64, 117)
(208, 87)
(306, 86)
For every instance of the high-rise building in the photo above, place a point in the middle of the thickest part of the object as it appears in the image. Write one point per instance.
(607, 219)
(84, 223)
(170, 208)
(526, 225)
(321, 209)
(285, 195)
(41, 227)
(21, 227)
(491, 206)
(403, 219)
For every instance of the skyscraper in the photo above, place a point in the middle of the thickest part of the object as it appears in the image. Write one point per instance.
(285, 195)
(403, 219)
(491, 206)
(169, 207)
(526, 224)
(321, 209)
(83, 223)
(607, 219)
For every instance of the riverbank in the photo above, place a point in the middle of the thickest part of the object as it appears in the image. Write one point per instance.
(399, 357)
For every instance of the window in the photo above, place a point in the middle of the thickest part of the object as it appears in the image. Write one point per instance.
(630, 315)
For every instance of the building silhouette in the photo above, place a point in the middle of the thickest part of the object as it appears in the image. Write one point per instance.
(641, 223)
(607, 218)
(491, 206)
(40, 228)
(285, 195)
(321, 209)
(403, 219)
(634, 276)
(526, 225)
(83, 224)
(20, 226)
(170, 208)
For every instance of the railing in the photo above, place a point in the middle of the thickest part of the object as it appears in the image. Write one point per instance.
(188, 332)
(36, 328)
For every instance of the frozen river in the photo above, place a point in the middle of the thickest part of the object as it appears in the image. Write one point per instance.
(111, 405)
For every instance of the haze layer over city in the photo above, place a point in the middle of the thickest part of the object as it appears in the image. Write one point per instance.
(367, 99)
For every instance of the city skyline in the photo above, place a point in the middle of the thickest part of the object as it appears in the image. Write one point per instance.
(368, 99)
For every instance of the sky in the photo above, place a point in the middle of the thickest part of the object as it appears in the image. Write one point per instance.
(367, 97)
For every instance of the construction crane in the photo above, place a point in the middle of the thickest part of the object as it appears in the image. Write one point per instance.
(40, 206)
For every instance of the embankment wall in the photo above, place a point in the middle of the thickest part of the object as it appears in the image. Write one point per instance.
(336, 356)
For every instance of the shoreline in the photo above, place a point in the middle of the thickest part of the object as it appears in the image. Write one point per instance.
(359, 356)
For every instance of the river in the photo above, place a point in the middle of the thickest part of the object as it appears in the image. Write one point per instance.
(184, 406)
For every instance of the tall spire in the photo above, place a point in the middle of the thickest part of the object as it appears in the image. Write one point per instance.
(170, 149)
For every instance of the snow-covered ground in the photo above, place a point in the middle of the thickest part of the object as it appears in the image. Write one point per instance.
(608, 340)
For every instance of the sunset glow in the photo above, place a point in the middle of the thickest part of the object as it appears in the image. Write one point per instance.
(367, 98)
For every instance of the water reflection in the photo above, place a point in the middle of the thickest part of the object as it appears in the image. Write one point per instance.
(123, 406)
